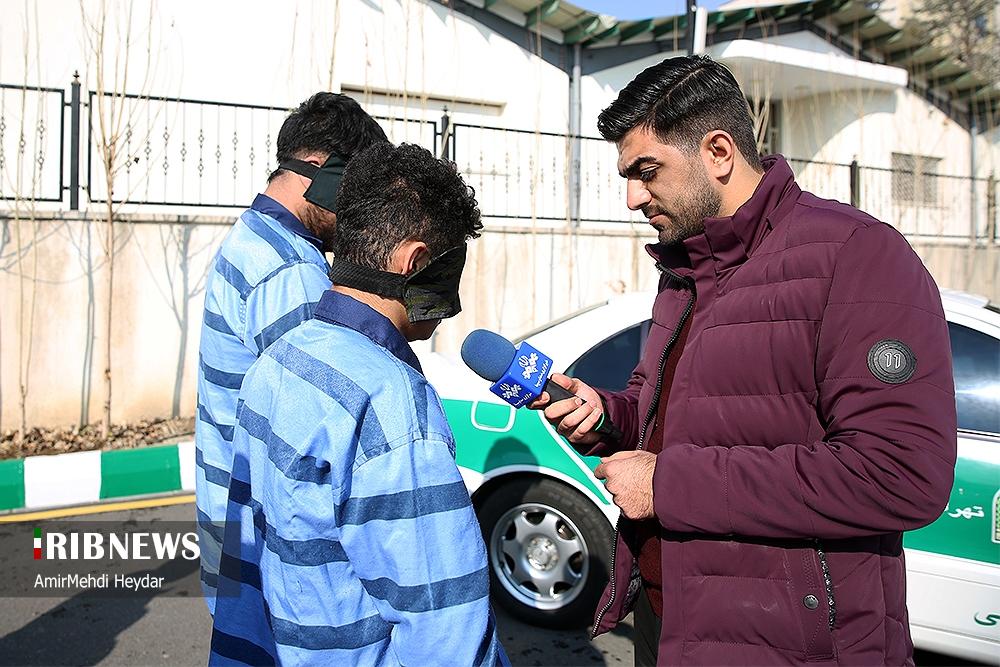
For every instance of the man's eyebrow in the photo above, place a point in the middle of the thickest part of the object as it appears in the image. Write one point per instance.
(632, 169)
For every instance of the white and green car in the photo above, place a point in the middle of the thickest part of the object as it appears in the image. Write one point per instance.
(548, 522)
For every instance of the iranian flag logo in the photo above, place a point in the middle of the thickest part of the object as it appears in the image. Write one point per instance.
(38, 544)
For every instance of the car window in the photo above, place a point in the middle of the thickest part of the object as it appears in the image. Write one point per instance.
(977, 378)
(609, 364)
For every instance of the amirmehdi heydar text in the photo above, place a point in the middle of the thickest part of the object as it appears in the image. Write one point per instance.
(99, 581)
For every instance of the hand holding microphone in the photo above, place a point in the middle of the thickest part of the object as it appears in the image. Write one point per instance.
(521, 377)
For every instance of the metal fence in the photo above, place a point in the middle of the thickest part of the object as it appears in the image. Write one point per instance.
(32, 129)
(186, 152)
(919, 203)
(179, 152)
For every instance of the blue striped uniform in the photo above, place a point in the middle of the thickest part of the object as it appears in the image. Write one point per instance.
(350, 537)
(266, 278)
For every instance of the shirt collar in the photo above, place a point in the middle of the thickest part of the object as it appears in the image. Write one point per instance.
(337, 308)
(269, 207)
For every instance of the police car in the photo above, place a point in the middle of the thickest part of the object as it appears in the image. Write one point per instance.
(548, 523)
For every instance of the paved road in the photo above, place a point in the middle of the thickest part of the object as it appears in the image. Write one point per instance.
(159, 630)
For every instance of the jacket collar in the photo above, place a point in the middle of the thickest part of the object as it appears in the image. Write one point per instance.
(340, 309)
(271, 207)
(729, 241)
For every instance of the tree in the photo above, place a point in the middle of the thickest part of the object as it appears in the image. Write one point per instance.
(967, 28)
(116, 46)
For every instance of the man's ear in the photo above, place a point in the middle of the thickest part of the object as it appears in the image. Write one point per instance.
(719, 153)
(312, 157)
(409, 256)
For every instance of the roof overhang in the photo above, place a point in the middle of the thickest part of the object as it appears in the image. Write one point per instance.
(788, 72)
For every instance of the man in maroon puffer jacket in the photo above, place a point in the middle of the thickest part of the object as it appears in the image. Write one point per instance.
(793, 412)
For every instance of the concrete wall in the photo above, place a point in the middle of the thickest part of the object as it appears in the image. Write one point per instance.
(517, 278)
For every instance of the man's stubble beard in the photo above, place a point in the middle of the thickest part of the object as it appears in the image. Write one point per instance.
(689, 220)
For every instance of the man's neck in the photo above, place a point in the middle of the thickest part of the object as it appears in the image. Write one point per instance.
(742, 184)
(288, 195)
(391, 308)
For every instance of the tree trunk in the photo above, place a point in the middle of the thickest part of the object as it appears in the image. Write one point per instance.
(109, 250)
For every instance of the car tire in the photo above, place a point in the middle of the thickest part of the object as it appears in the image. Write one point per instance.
(549, 551)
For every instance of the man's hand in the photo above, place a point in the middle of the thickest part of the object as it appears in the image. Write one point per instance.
(572, 418)
(629, 479)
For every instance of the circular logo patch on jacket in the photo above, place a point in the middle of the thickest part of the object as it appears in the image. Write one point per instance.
(892, 361)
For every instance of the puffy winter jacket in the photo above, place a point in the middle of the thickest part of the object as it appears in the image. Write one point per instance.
(811, 421)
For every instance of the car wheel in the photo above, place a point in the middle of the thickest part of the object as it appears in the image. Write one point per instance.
(549, 551)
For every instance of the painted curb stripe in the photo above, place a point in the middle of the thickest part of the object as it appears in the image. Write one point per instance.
(66, 479)
(185, 454)
(11, 484)
(131, 472)
(79, 478)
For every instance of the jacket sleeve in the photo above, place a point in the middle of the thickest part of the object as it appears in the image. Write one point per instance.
(411, 536)
(622, 408)
(886, 460)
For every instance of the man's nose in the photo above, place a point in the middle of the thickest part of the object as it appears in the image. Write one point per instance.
(637, 195)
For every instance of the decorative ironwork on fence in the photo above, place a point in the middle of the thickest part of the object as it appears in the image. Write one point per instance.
(31, 143)
(179, 152)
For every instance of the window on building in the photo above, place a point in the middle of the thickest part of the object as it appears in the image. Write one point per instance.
(915, 179)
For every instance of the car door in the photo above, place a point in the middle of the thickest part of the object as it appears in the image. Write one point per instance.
(954, 563)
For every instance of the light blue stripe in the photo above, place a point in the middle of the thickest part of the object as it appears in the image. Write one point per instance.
(302, 553)
(279, 327)
(233, 276)
(339, 387)
(433, 595)
(285, 458)
(405, 504)
(273, 239)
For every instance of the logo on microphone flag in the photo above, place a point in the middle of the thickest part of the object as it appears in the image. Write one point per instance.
(524, 380)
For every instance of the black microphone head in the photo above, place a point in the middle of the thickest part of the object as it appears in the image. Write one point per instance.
(488, 354)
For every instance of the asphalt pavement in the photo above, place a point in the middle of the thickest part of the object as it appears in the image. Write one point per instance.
(159, 630)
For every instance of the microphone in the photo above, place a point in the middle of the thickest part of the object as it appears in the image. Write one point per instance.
(519, 374)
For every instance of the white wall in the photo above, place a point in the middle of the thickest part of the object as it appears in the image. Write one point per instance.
(264, 52)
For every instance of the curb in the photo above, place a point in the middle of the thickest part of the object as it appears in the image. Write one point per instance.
(40, 482)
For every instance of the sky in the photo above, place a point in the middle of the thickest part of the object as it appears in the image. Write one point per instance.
(641, 9)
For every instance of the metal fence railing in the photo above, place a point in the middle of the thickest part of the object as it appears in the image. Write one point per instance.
(32, 124)
(916, 202)
(203, 153)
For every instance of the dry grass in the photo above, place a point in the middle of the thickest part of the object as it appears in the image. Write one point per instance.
(121, 436)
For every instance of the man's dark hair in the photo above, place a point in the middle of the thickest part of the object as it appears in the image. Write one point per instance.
(681, 100)
(391, 194)
(327, 123)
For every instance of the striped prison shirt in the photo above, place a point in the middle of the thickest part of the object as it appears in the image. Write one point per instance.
(350, 537)
(267, 277)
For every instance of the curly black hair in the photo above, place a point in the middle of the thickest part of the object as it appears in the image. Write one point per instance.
(326, 123)
(392, 194)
